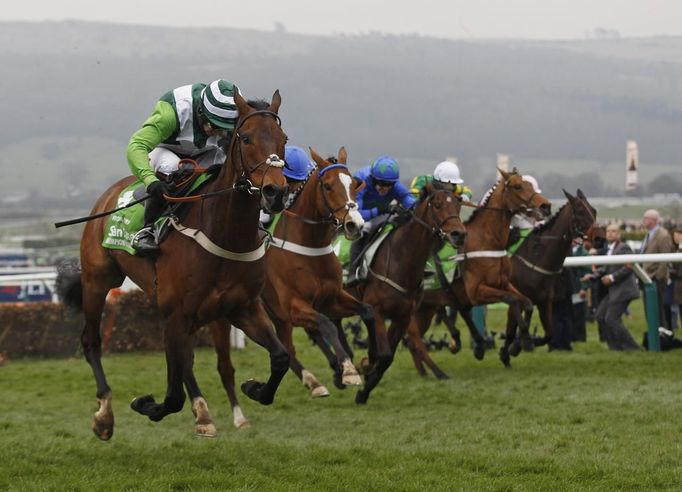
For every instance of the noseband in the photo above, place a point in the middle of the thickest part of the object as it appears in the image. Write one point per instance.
(437, 229)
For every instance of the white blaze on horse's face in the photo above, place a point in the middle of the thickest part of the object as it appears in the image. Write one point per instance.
(353, 210)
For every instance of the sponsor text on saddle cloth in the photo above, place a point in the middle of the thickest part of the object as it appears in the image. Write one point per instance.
(124, 224)
(341, 247)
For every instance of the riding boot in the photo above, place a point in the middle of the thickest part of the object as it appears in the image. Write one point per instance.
(145, 242)
(355, 261)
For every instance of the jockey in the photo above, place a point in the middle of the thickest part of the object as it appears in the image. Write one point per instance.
(192, 121)
(297, 167)
(446, 176)
(521, 225)
(382, 186)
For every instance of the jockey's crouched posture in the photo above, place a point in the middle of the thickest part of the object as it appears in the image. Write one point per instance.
(191, 121)
(446, 176)
(382, 186)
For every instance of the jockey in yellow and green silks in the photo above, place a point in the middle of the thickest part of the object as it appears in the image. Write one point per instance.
(446, 176)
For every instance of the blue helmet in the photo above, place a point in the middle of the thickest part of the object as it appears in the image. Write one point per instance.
(298, 163)
(385, 168)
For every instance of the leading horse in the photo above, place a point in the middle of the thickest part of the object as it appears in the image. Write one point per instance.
(210, 267)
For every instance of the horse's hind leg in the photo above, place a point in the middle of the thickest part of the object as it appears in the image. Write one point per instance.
(254, 321)
(418, 350)
(220, 331)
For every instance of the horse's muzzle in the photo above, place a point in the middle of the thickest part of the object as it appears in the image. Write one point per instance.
(545, 210)
(351, 230)
(457, 238)
(273, 197)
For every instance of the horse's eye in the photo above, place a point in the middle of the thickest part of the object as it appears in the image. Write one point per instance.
(517, 187)
(245, 139)
(437, 205)
(327, 186)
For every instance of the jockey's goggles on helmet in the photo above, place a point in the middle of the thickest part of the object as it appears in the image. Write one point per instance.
(383, 184)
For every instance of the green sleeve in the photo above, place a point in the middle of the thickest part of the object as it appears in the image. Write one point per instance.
(159, 126)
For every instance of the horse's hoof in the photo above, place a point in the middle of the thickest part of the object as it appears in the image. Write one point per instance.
(454, 347)
(319, 392)
(103, 430)
(252, 389)
(366, 367)
(205, 430)
(515, 349)
(442, 376)
(527, 344)
(504, 357)
(361, 397)
(242, 424)
(138, 404)
(479, 352)
(338, 381)
(352, 379)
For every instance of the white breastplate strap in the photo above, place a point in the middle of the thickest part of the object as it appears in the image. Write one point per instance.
(297, 248)
(213, 248)
(388, 281)
(480, 254)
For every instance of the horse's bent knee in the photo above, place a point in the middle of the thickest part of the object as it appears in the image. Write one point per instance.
(280, 360)
(174, 404)
(366, 312)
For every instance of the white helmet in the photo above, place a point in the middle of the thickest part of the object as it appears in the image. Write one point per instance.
(447, 172)
(533, 181)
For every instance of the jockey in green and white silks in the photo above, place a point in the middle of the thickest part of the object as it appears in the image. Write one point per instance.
(190, 121)
(446, 175)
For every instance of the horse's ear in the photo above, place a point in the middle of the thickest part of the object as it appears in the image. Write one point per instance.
(276, 101)
(317, 158)
(504, 174)
(359, 183)
(343, 155)
(242, 106)
(570, 197)
(581, 195)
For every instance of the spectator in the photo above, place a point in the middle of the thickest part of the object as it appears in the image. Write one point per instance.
(579, 295)
(622, 288)
(676, 272)
(657, 240)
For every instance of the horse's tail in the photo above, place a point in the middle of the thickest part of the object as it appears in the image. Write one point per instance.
(68, 284)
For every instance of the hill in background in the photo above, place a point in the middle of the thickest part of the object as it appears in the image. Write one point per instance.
(74, 92)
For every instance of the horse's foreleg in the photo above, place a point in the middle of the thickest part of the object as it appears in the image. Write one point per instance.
(179, 356)
(480, 343)
(254, 321)
(220, 331)
(379, 359)
(546, 316)
(91, 340)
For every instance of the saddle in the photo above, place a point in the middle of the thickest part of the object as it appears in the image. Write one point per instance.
(124, 224)
(341, 247)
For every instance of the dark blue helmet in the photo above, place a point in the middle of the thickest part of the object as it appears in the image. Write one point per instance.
(298, 163)
(385, 168)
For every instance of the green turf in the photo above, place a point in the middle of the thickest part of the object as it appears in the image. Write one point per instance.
(586, 420)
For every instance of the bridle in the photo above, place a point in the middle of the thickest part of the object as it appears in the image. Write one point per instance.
(331, 217)
(243, 183)
(438, 228)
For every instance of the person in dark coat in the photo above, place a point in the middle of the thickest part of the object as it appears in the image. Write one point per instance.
(622, 288)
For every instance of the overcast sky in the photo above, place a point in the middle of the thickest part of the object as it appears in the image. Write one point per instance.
(472, 19)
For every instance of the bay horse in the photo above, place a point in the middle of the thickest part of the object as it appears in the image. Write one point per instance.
(210, 267)
(304, 285)
(395, 283)
(486, 269)
(535, 267)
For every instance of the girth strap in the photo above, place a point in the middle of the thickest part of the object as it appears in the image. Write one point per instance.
(298, 248)
(536, 268)
(213, 248)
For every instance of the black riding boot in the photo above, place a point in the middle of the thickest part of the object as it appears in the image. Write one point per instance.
(355, 260)
(145, 242)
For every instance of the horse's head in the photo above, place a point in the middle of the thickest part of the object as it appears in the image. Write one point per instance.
(584, 214)
(336, 192)
(439, 209)
(258, 150)
(519, 196)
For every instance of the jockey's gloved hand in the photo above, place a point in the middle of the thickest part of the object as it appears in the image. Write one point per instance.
(395, 209)
(158, 189)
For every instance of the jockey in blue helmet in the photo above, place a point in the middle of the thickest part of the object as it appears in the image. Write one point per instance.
(382, 186)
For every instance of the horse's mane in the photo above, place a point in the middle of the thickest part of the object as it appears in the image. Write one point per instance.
(258, 104)
(484, 201)
(550, 222)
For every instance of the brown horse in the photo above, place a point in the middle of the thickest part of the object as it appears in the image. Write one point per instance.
(304, 284)
(485, 267)
(534, 269)
(195, 280)
(394, 287)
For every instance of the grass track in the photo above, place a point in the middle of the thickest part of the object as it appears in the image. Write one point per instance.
(586, 420)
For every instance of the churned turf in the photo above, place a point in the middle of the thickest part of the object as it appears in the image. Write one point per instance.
(586, 420)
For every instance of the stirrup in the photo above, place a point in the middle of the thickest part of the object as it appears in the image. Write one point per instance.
(145, 241)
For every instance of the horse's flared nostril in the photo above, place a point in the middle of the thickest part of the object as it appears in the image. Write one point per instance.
(458, 237)
(546, 209)
(274, 197)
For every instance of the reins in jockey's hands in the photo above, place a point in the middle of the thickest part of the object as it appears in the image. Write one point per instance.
(159, 189)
